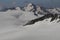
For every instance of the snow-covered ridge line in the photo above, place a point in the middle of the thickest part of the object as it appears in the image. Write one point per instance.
(34, 8)
(30, 14)
(47, 16)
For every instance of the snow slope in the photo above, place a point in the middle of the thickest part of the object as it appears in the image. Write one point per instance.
(12, 21)
(43, 30)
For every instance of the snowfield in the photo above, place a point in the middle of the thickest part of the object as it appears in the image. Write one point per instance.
(43, 30)
(12, 21)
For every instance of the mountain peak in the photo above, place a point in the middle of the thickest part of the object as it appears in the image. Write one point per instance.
(30, 7)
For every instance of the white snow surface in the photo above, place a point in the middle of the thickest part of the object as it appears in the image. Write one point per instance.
(43, 30)
(11, 27)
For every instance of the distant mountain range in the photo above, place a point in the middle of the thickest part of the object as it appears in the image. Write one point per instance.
(34, 8)
(53, 13)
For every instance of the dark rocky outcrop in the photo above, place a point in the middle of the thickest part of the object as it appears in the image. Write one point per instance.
(52, 16)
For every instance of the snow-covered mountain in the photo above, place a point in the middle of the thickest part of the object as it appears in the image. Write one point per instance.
(31, 22)
(30, 13)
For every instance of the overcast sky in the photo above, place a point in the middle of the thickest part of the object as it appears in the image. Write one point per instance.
(46, 3)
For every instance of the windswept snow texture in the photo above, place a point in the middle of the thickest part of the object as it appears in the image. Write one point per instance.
(12, 21)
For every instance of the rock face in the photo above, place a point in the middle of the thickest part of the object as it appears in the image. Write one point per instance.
(30, 7)
(39, 10)
(47, 16)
